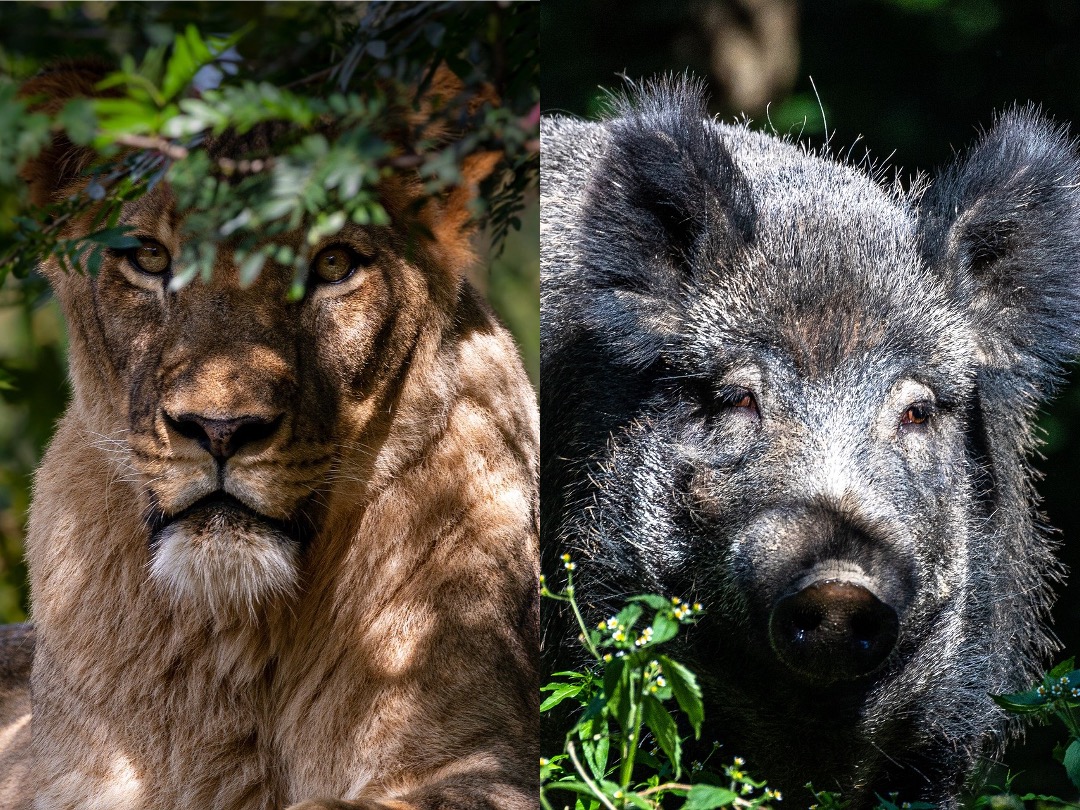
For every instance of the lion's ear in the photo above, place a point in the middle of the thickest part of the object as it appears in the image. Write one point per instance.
(440, 110)
(58, 164)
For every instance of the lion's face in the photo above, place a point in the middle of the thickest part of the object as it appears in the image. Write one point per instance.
(240, 415)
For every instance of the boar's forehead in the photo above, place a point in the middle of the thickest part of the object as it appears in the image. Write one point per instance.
(820, 305)
(830, 274)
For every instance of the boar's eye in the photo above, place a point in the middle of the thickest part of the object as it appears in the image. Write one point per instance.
(741, 399)
(713, 401)
(737, 399)
(916, 414)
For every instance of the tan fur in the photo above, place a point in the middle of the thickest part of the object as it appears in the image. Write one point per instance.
(371, 640)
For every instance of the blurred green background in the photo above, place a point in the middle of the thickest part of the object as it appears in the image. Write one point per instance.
(912, 81)
(301, 38)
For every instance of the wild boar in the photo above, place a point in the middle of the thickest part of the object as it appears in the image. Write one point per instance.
(805, 397)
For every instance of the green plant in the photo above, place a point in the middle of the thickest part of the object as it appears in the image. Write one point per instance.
(624, 748)
(624, 697)
(1057, 695)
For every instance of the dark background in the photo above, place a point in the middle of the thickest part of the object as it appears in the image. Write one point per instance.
(912, 81)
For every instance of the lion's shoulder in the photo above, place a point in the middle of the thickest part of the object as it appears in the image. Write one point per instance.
(16, 656)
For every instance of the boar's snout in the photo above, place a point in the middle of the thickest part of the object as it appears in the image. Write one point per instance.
(833, 630)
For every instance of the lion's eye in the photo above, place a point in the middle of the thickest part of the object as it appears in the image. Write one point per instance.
(336, 263)
(150, 257)
(916, 414)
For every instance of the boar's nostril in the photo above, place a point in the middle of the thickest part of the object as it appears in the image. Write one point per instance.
(833, 631)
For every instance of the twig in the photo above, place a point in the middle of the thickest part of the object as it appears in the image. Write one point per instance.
(168, 148)
(314, 77)
(663, 787)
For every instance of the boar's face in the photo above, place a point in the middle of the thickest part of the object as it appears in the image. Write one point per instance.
(796, 454)
(800, 461)
(774, 386)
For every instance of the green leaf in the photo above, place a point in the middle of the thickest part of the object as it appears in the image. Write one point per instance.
(7, 381)
(1022, 702)
(616, 698)
(595, 744)
(663, 729)
(566, 690)
(684, 686)
(664, 626)
(639, 801)
(707, 797)
(572, 785)
(629, 615)
(1061, 669)
(652, 600)
(251, 268)
(1072, 762)
(77, 119)
(1040, 797)
(118, 238)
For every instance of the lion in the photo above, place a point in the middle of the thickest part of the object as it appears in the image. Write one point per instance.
(281, 553)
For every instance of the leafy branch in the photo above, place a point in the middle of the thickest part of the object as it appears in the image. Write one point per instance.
(172, 115)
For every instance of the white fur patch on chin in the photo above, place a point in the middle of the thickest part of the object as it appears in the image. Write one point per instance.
(225, 566)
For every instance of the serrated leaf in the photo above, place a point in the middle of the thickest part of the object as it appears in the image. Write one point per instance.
(1041, 797)
(663, 729)
(652, 600)
(595, 744)
(1022, 702)
(1072, 762)
(708, 797)
(568, 690)
(1061, 669)
(687, 691)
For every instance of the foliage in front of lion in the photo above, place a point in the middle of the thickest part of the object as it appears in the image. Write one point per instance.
(324, 76)
(151, 117)
(624, 748)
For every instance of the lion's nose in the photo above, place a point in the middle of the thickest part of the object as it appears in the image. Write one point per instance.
(222, 438)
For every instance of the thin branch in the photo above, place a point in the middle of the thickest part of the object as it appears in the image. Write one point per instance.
(663, 787)
(168, 148)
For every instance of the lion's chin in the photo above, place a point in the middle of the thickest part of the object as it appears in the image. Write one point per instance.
(222, 558)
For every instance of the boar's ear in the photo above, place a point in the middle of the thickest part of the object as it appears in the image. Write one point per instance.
(1002, 226)
(52, 171)
(667, 200)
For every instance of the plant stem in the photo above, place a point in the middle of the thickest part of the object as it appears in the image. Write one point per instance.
(581, 621)
(630, 741)
(586, 779)
(664, 787)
